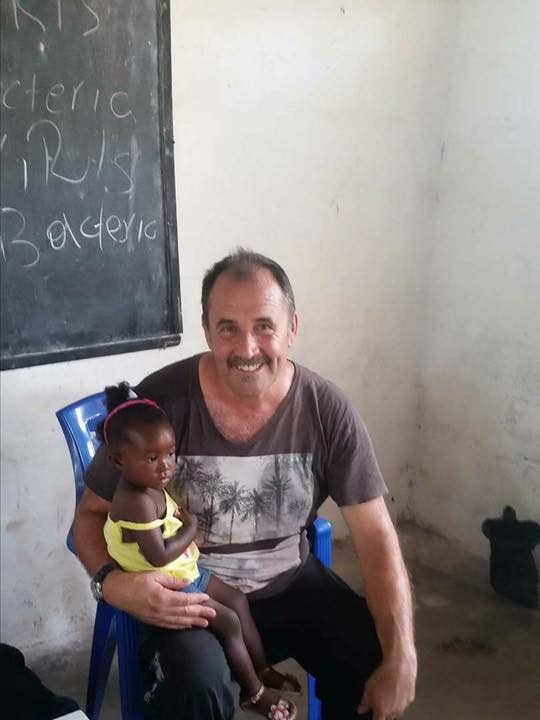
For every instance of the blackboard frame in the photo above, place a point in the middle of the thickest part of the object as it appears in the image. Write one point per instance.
(166, 136)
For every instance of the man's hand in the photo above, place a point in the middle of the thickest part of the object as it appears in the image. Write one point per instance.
(389, 690)
(153, 598)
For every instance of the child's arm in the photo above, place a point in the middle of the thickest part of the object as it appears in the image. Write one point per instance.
(155, 549)
(185, 535)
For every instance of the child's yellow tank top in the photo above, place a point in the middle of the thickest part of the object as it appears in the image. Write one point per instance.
(129, 556)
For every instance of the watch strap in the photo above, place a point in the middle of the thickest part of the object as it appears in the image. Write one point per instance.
(99, 577)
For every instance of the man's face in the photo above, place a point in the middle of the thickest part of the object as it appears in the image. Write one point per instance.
(249, 332)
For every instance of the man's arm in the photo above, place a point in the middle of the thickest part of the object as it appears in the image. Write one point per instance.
(152, 597)
(388, 594)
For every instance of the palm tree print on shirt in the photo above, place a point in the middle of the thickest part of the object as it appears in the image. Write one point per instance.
(233, 498)
(190, 470)
(277, 489)
(255, 506)
(243, 499)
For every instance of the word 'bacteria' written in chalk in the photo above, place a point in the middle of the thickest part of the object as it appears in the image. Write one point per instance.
(60, 98)
(104, 229)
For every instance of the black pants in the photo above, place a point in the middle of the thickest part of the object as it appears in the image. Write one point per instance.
(318, 620)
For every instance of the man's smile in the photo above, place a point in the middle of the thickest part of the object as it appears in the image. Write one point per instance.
(247, 366)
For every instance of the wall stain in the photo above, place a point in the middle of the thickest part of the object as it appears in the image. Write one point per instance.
(14, 525)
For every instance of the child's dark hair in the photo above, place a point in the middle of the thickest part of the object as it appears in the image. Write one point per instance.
(138, 411)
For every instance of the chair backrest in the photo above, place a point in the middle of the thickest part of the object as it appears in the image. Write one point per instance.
(79, 422)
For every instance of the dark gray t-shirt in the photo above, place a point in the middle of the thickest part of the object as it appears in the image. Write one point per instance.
(253, 500)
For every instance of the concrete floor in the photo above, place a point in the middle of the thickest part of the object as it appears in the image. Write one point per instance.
(479, 655)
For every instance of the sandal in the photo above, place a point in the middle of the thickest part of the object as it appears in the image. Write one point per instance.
(284, 682)
(281, 710)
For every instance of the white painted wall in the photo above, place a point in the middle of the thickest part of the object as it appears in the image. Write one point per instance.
(309, 131)
(479, 400)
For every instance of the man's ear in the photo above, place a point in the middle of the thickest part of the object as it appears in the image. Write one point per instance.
(206, 332)
(116, 459)
(293, 328)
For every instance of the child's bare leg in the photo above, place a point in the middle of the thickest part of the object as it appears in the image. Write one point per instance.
(226, 625)
(237, 601)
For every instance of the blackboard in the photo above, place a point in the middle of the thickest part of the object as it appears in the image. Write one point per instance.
(89, 253)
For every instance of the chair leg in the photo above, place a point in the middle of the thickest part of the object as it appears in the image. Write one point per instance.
(103, 647)
(129, 670)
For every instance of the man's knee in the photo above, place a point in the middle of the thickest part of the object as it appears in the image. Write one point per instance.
(205, 668)
(190, 678)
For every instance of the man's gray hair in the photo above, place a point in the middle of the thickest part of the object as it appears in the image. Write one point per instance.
(241, 265)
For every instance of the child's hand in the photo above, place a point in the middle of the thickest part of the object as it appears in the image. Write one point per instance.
(191, 519)
(183, 516)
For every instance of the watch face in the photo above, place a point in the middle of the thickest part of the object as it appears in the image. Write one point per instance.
(99, 577)
(97, 592)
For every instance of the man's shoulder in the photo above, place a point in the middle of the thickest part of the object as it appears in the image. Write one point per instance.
(325, 390)
(169, 380)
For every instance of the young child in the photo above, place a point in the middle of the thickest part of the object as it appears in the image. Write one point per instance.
(146, 530)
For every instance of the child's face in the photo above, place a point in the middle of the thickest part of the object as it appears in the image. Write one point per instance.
(148, 458)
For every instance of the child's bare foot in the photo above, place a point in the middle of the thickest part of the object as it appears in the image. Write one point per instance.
(269, 704)
(280, 681)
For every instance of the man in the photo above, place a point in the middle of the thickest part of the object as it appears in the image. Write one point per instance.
(261, 443)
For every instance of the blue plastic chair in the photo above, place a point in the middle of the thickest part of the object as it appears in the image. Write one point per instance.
(113, 628)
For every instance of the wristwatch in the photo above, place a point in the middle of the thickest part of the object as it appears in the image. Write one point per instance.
(99, 577)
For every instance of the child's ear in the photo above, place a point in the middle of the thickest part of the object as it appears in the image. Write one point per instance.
(116, 459)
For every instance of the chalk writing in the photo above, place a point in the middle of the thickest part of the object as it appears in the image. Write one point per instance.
(27, 253)
(123, 163)
(20, 12)
(62, 98)
(47, 161)
(114, 104)
(64, 231)
(51, 160)
(87, 258)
